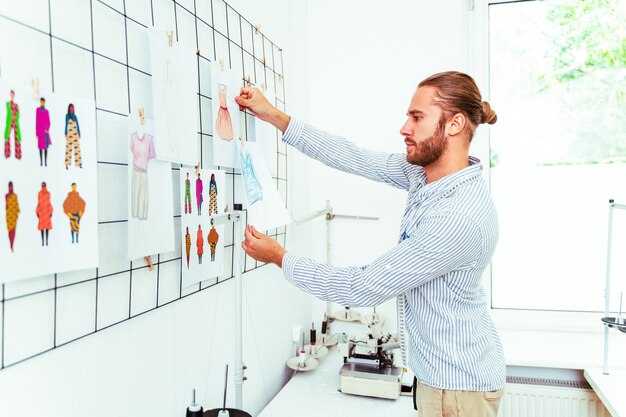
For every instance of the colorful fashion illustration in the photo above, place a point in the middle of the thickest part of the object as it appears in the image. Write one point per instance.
(44, 213)
(143, 150)
(72, 135)
(74, 208)
(224, 125)
(200, 244)
(199, 197)
(12, 213)
(187, 195)
(187, 245)
(251, 182)
(212, 195)
(42, 131)
(12, 125)
(213, 238)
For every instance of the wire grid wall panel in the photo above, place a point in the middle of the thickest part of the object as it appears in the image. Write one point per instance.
(99, 49)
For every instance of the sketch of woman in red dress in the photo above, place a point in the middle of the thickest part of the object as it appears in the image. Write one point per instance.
(224, 125)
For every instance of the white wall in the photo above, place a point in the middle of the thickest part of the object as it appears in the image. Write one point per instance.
(147, 366)
(364, 65)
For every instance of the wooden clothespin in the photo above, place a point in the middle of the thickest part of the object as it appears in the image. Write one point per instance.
(142, 118)
(149, 264)
(263, 61)
(170, 37)
(198, 51)
(248, 83)
(280, 78)
(226, 208)
(221, 61)
(197, 169)
(257, 29)
(34, 82)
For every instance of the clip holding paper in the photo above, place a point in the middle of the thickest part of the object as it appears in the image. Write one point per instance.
(149, 263)
(257, 29)
(248, 83)
(142, 118)
(221, 61)
(170, 37)
(197, 169)
(34, 82)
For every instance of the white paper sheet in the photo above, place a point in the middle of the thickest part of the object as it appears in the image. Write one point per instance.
(31, 256)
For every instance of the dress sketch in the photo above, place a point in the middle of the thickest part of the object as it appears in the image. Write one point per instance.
(44, 213)
(74, 208)
(187, 195)
(12, 213)
(187, 245)
(212, 239)
(42, 131)
(250, 180)
(212, 195)
(72, 136)
(143, 150)
(199, 197)
(12, 125)
(224, 125)
(200, 244)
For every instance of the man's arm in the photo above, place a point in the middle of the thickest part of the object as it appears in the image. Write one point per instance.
(331, 150)
(439, 245)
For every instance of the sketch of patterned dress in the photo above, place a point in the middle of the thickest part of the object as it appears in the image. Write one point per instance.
(72, 135)
(44, 213)
(12, 213)
(187, 195)
(212, 195)
(12, 124)
(187, 246)
(212, 239)
(200, 244)
(250, 180)
(74, 208)
(224, 125)
(143, 150)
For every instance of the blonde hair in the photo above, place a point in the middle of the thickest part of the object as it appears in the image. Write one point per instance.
(457, 92)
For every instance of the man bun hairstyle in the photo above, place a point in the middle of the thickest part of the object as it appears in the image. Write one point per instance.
(457, 92)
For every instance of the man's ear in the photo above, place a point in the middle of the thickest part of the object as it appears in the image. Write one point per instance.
(457, 124)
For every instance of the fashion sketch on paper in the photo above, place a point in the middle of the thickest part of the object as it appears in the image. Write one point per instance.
(72, 137)
(200, 244)
(187, 194)
(199, 197)
(143, 150)
(212, 195)
(12, 213)
(42, 131)
(44, 213)
(74, 208)
(12, 125)
(250, 180)
(224, 125)
(212, 239)
(187, 245)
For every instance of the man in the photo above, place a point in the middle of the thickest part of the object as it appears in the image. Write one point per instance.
(448, 234)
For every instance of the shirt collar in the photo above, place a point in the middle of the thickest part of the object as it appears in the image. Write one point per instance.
(451, 181)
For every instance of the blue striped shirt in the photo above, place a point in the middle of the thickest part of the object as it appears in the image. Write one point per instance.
(448, 234)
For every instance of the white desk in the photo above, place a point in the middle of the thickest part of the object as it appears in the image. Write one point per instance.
(610, 389)
(315, 394)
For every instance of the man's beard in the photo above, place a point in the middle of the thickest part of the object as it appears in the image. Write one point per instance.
(430, 149)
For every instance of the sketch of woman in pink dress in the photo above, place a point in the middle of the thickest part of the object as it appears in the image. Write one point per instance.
(224, 125)
(42, 131)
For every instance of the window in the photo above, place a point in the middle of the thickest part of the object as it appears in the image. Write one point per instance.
(557, 79)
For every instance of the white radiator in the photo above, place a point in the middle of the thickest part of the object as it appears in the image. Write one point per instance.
(531, 397)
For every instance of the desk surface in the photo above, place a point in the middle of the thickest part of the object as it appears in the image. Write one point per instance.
(610, 389)
(315, 393)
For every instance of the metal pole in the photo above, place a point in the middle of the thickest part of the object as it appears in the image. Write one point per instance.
(239, 368)
(607, 290)
(329, 218)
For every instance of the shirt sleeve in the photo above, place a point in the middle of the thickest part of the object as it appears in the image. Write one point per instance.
(337, 152)
(439, 245)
